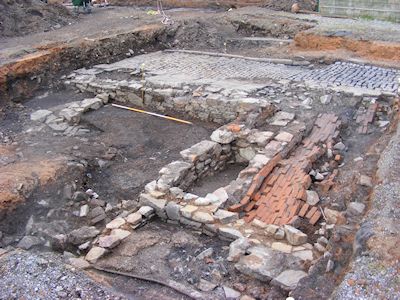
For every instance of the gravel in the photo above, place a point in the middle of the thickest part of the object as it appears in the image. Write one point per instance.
(27, 275)
(375, 274)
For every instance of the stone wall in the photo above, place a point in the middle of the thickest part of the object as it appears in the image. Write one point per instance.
(379, 9)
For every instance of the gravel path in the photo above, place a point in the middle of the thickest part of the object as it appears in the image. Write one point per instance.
(27, 275)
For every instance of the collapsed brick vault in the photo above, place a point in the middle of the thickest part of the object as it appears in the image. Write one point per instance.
(278, 190)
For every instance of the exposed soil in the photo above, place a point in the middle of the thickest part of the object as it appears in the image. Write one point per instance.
(22, 17)
(124, 150)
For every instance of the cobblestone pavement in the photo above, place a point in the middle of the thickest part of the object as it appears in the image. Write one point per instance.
(353, 75)
(196, 67)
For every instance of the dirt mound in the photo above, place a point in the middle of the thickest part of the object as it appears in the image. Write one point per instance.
(21, 17)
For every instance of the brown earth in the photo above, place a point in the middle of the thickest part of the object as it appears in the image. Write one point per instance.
(284, 5)
(19, 180)
(374, 50)
(21, 17)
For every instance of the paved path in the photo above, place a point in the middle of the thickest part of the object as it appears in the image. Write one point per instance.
(195, 67)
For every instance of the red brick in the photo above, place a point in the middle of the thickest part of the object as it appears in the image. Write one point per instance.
(236, 207)
(245, 200)
(304, 210)
(311, 212)
(249, 206)
(315, 217)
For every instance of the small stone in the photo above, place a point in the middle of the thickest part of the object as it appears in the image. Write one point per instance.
(189, 197)
(92, 103)
(259, 224)
(203, 217)
(146, 211)
(294, 236)
(289, 279)
(72, 116)
(94, 254)
(84, 211)
(84, 246)
(318, 176)
(27, 242)
(329, 266)
(79, 263)
(326, 99)
(109, 241)
(202, 201)
(80, 196)
(366, 181)
(172, 209)
(284, 137)
(356, 208)
(231, 294)
(40, 115)
(279, 234)
(339, 146)
(238, 248)
(247, 153)
(177, 192)
(134, 218)
(332, 216)
(82, 235)
(322, 241)
(225, 216)
(222, 136)
(283, 247)
(312, 197)
(188, 210)
(116, 223)
(304, 255)
(230, 233)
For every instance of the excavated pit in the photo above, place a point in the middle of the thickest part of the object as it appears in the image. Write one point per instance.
(87, 163)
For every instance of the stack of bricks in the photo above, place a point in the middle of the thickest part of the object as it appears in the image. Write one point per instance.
(364, 118)
(277, 194)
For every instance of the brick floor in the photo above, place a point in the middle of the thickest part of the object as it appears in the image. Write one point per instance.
(277, 194)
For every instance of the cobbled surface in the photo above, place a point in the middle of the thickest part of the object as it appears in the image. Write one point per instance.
(220, 68)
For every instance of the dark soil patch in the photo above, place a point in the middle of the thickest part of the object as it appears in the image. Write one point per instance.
(210, 183)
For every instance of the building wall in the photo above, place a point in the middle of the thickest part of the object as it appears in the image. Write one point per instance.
(379, 9)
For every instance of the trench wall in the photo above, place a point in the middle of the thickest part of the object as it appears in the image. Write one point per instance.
(192, 3)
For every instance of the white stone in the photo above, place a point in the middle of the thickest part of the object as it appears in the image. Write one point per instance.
(282, 247)
(312, 197)
(289, 279)
(91, 103)
(366, 181)
(326, 99)
(261, 138)
(120, 233)
(40, 115)
(79, 263)
(189, 197)
(94, 254)
(188, 210)
(225, 216)
(222, 136)
(202, 217)
(146, 211)
(284, 137)
(259, 224)
(116, 223)
(230, 233)
(339, 146)
(84, 211)
(231, 294)
(304, 254)
(294, 236)
(72, 116)
(202, 201)
(134, 218)
(247, 153)
(356, 208)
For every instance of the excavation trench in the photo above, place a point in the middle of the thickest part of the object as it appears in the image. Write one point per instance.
(65, 171)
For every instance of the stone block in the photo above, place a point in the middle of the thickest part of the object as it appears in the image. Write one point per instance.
(294, 236)
(172, 209)
(95, 254)
(40, 115)
(225, 216)
(202, 217)
(289, 279)
(188, 210)
(230, 233)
